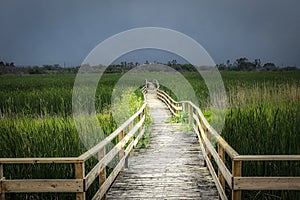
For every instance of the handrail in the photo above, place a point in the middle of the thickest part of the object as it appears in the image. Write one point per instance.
(82, 182)
(39, 160)
(230, 151)
(112, 136)
(173, 105)
(267, 158)
(234, 179)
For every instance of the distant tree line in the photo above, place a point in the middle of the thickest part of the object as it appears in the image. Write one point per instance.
(10, 68)
(243, 64)
(6, 64)
(240, 64)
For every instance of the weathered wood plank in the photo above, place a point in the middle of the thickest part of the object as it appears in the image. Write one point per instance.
(221, 153)
(267, 158)
(236, 172)
(267, 183)
(39, 160)
(121, 152)
(37, 185)
(102, 176)
(79, 174)
(2, 194)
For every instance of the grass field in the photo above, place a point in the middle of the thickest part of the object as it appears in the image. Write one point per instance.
(263, 117)
(36, 121)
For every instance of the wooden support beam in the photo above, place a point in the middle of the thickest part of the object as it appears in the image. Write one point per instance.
(102, 175)
(2, 194)
(131, 139)
(121, 152)
(267, 183)
(208, 135)
(79, 174)
(221, 153)
(63, 160)
(190, 113)
(140, 118)
(43, 185)
(236, 172)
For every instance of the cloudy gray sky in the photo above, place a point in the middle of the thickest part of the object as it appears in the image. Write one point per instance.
(36, 32)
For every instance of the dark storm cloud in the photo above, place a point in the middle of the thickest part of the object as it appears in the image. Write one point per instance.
(41, 31)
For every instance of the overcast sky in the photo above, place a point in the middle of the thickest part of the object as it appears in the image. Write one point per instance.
(36, 32)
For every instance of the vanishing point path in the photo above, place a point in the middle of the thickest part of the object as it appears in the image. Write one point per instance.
(171, 167)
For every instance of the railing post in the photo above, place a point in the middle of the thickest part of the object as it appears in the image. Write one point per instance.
(208, 135)
(236, 172)
(184, 110)
(140, 117)
(79, 174)
(102, 175)
(221, 153)
(121, 152)
(2, 194)
(131, 151)
(131, 139)
(202, 140)
(190, 113)
(177, 111)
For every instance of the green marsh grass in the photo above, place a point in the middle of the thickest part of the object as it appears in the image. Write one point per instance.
(36, 121)
(263, 117)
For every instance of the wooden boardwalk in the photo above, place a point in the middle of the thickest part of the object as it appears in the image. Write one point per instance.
(171, 167)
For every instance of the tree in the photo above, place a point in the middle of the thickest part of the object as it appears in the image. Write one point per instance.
(241, 63)
(124, 64)
(257, 63)
(269, 66)
(174, 62)
(244, 64)
(228, 63)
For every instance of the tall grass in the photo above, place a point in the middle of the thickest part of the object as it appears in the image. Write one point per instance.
(263, 118)
(41, 95)
(36, 121)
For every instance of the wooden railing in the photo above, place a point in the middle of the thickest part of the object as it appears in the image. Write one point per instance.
(234, 179)
(81, 182)
(174, 106)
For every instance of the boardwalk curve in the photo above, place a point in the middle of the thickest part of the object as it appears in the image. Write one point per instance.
(171, 167)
